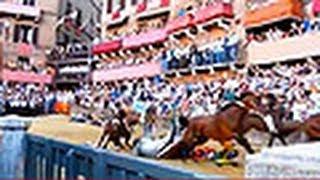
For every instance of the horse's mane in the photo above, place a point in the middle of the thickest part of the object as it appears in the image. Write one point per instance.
(245, 94)
(226, 107)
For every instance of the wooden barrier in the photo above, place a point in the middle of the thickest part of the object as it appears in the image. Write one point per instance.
(51, 159)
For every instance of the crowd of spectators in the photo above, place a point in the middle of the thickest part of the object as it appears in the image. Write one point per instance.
(25, 99)
(296, 86)
(223, 50)
(293, 29)
(27, 65)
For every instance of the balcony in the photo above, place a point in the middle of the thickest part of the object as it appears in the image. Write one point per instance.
(145, 10)
(26, 77)
(16, 9)
(127, 72)
(285, 49)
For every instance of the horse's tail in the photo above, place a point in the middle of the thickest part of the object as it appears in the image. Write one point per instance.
(184, 122)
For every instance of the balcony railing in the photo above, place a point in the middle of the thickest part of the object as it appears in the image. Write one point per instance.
(17, 9)
(26, 77)
(285, 49)
(127, 72)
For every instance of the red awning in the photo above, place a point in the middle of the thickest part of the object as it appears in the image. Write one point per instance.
(150, 37)
(213, 11)
(141, 7)
(107, 47)
(26, 77)
(316, 6)
(165, 3)
(179, 23)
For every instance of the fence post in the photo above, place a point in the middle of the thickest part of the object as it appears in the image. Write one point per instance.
(49, 160)
(28, 159)
(70, 170)
(99, 167)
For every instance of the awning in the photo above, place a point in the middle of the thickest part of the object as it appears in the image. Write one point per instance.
(141, 7)
(165, 3)
(128, 72)
(12, 8)
(316, 6)
(152, 36)
(107, 47)
(213, 11)
(283, 9)
(26, 77)
(179, 23)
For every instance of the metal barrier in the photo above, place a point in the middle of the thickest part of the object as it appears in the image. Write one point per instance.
(51, 159)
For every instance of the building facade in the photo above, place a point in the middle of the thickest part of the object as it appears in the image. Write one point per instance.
(26, 34)
(78, 26)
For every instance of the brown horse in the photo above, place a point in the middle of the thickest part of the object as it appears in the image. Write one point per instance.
(232, 122)
(310, 127)
(116, 131)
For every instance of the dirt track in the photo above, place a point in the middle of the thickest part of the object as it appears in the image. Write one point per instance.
(59, 128)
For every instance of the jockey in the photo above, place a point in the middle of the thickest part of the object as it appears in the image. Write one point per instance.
(150, 121)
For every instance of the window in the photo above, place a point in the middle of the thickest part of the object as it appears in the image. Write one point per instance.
(109, 7)
(29, 2)
(5, 30)
(26, 34)
(118, 4)
(134, 2)
(122, 4)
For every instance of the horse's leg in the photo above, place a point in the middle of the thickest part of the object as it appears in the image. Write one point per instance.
(128, 137)
(101, 139)
(105, 145)
(282, 139)
(271, 141)
(244, 142)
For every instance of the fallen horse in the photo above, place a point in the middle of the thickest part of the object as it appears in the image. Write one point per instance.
(232, 122)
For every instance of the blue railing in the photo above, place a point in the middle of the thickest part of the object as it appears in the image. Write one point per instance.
(51, 159)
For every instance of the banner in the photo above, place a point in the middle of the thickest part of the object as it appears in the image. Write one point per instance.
(26, 77)
(128, 72)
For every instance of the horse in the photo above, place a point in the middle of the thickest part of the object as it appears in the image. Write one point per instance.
(115, 131)
(310, 127)
(231, 122)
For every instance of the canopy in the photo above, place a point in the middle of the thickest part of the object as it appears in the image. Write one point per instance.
(152, 36)
(107, 47)
(26, 77)
(213, 11)
(316, 6)
(128, 72)
(179, 23)
(165, 3)
(283, 9)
